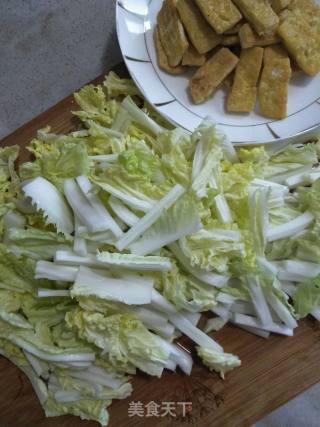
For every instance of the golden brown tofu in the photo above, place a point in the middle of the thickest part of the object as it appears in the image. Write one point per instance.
(300, 33)
(273, 88)
(308, 6)
(260, 15)
(221, 14)
(230, 40)
(242, 97)
(207, 79)
(171, 33)
(162, 57)
(283, 14)
(277, 51)
(279, 5)
(200, 33)
(249, 38)
(228, 81)
(295, 67)
(235, 29)
(193, 58)
(274, 52)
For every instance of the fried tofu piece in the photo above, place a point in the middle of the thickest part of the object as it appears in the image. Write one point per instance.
(295, 68)
(242, 97)
(260, 15)
(308, 6)
(300, 33)
(228, 81)
(221, 14)
(230, 40)
(235, 29)
(171, 33)
(274, 52)
(249, 38)
(273, 88)
(193, 58)
(200, 33)
(277, 51)
(208, 78)
(162, 57)
(279, 5)
(283, 14)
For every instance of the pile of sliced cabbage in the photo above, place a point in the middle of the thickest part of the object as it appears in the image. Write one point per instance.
(119, 235)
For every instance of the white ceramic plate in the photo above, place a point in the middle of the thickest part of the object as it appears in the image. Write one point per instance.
(136, 20)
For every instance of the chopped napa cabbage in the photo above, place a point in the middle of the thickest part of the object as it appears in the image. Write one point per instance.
(307, 297)
(16, 274)
(217, 360)
(290, 228)
(206, 163)
(35, 243)
(135, 262)
(116, 87)
(185, 291)
(131, 290)
(180, 220)
(310, 199)
(85, 409)
(125, 341)
(16, 356)
(95, 106)
(151, 217)
(213, 249)
(9, 180)
(51, 202)
(57, 159)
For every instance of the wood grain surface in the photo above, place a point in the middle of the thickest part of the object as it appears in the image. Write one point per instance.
(273, 371)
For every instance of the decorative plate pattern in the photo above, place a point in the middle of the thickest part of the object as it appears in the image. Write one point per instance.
(136, 20)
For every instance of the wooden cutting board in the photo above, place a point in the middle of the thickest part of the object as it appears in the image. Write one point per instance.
(273, 371)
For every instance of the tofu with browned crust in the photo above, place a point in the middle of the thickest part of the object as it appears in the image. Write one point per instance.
(273, 87)
(230, 40)
(193, 58)
(260, 15)
(162, 57)
(279, 5)
(228, 81)
(308, 6)
(283, 14)
(300, 33)
(249, 38)
(242, 97)
(221, 14)
(201, 34)
(209, 77)
(274, 52)
(171, 33)
(235, 29)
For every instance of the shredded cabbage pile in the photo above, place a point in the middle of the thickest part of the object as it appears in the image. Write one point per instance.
(118, 236)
